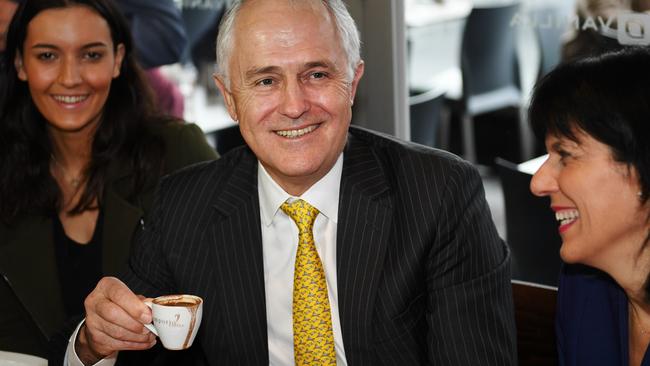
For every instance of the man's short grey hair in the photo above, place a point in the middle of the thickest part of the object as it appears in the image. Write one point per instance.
(345, 26)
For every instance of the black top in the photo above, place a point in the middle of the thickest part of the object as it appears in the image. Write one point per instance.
(80, 265)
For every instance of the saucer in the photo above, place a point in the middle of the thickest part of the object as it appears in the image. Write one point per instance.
(20, 359)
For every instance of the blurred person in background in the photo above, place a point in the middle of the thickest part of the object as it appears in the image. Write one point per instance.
(7, 10)
(201, 19)
(597, 27)
(81, 150)
(160, 39)
(640, 5)
(594, 115)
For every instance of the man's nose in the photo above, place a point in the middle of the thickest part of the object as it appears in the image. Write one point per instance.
(69, 73)
(294, 100)
(544, 182)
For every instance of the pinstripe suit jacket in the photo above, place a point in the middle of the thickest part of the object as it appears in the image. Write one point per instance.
(423, 277)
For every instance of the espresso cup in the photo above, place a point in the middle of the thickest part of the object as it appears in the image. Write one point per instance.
(176, 319)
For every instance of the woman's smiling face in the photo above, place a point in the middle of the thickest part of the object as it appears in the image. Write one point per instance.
(595, 200)
(69, 61)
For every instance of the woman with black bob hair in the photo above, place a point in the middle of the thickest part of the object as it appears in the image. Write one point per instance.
(595, 117)
(81, 151)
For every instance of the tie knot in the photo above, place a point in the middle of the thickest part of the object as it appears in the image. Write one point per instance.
(302, 213)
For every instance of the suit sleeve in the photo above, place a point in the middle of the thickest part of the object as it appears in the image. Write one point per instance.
(147, 274)
(471, 316)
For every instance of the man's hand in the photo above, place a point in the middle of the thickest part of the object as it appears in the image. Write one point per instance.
(114, 322)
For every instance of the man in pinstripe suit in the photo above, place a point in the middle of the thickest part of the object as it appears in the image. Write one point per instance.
(416, 273)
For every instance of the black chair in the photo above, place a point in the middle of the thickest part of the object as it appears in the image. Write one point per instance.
(227, 139)
(489, 69)
(535, 307)
(428, 122)
(531, 228)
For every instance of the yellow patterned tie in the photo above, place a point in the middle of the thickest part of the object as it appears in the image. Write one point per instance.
(313, 338)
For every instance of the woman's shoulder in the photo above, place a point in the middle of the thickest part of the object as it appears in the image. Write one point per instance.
(185, 144)
(172, 130)
(591, 314)
(579, 283)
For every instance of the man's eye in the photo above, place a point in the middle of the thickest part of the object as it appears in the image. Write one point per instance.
(318, 75)
(265, 82)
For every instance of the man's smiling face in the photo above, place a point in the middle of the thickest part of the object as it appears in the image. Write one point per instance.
(289, 89)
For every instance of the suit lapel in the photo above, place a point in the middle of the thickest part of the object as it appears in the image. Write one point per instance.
(365, 216)
(238, 257)
(120, 220)
(30, 248)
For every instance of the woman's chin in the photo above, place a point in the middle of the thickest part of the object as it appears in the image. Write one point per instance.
(568, 255)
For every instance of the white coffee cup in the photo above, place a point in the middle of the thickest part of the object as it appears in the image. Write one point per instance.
(176, 319)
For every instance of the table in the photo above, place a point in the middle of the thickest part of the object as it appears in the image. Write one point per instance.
(20, 359)
(531, 166)
(434, 34)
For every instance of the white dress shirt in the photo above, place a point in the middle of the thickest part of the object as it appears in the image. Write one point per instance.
(72, 359)
(280, 243)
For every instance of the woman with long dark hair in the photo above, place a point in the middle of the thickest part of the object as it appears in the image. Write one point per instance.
(81, 151)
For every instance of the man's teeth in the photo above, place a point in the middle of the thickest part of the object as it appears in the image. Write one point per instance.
(70, 99)
(565, 217)
(296, 133)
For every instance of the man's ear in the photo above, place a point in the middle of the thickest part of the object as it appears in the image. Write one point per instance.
(20, 69)
(358, 73)
(227, 97)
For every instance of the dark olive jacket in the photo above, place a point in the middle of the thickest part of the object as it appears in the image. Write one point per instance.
(31, 305)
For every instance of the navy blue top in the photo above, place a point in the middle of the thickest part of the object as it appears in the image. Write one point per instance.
(592, 319)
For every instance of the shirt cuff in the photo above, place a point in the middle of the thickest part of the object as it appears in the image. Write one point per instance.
(71, 358)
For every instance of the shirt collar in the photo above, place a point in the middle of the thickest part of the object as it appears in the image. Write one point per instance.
(324, 194)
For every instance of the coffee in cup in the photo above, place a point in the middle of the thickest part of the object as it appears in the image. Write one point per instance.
(176, 319)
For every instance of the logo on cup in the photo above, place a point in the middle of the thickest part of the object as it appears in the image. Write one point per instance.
(169, 323)
(634, 29)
